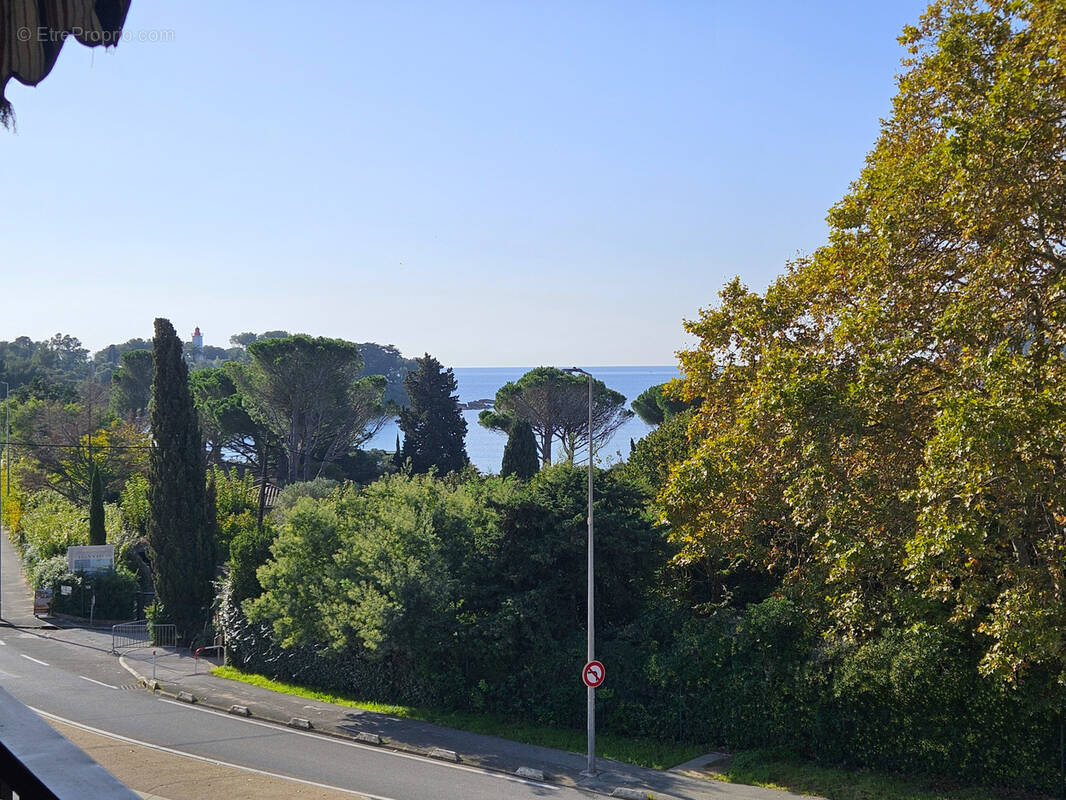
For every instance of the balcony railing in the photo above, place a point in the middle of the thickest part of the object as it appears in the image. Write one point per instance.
(38, 763)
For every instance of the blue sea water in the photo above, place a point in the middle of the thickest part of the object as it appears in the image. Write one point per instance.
(485, 447)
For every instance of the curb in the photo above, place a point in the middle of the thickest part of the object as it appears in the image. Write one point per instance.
(373, 739)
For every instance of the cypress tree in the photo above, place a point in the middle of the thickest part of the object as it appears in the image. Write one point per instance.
(180, 533)
(520, 454)
(434, 430)
(97, 532)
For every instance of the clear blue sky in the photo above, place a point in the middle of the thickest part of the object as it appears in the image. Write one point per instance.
(497, 183)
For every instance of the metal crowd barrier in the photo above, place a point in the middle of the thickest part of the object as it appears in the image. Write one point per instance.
(141, 634)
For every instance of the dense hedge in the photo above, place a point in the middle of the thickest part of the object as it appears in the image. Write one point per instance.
(911, 701)
(115, 590)
(508, 636)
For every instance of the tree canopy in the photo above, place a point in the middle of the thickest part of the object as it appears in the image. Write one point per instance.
(658, 403)
(883, 429)
(306, 391)
(432, 424)
(131, 384)
(556, 406)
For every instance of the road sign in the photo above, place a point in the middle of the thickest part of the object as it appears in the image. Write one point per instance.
(593, 674)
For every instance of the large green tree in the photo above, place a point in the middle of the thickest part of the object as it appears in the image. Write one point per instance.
(131, 385)
(883, 429)
(556, 406)
(307, 392)
(432, 424)
(181, 528)
(226, 423)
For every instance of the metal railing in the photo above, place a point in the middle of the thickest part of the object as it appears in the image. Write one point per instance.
(37, 762)
(142, 633)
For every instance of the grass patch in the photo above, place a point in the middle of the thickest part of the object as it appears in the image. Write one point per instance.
(778, 769)
(644, 752)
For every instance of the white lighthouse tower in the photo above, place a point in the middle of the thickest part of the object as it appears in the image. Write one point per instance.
(198, 344)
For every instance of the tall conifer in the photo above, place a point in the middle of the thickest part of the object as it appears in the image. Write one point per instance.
(97, 531)
(520, 455)
(180, 534)
(434, 430)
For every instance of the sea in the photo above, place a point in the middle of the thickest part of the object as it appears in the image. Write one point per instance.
(485, 447)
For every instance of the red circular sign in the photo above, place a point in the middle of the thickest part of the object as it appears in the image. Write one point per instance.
(593, 674)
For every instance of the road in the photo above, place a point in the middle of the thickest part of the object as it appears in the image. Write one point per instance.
(70, 677)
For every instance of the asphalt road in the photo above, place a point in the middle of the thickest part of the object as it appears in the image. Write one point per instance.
(71, 677)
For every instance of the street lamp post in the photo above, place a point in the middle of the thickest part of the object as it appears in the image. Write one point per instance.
(591, 766)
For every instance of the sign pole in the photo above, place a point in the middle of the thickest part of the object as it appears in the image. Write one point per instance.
(591, 769)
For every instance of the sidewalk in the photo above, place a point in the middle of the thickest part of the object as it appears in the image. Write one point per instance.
(16, 598)
(177, 672)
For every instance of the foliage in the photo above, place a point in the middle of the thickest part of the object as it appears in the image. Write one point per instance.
(50, 524)
(361, 466)
(58, 360)
(388, 361)
(520, 452)
(437, 588)
(62, 439)
(556, 406)
(97, 532)
(224, 417)
(432, 424)
(318, 489)
(780, 768)
(181, 530)
(657, 453)
(307, 392)
(382, 586)
(14, 495)
(106, 361)
(237, 504)
(249, 550)
(133, 500)
(658, 403)
(131, 385)
(882, 431)
(115, 591)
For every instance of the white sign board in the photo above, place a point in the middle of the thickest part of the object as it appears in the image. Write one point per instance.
(91, 558)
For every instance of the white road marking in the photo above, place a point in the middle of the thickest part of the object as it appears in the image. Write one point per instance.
(98, 683)
(205, 759)
(36, 660)
(3, 643)
(277, 727)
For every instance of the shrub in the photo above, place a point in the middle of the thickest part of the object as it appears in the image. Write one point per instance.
(115, 592)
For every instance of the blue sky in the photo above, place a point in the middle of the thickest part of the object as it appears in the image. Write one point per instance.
(496, 183)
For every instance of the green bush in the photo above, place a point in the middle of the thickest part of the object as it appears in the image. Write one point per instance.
(473, 593)
(249, 550)
(50, 524)
(115, 592)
